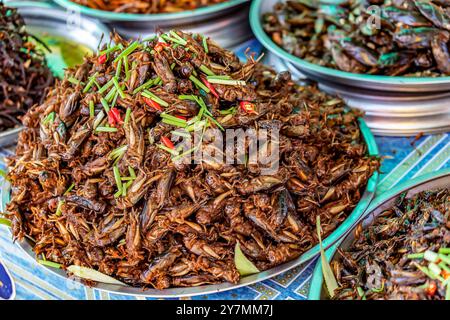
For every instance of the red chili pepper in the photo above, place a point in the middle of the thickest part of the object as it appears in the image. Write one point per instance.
(181, 117)
(210, 87)
(248, 107)
(432, 288)
(160, 46)
(114, 117)
(167, 142)
(102, 59)
(153, 104)
(445, 274)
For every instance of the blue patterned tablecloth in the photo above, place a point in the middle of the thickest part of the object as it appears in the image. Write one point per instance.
(404, 158)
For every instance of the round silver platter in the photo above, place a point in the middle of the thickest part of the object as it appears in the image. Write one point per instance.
(43, 17)
(227, 23)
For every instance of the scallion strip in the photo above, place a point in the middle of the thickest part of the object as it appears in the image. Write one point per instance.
(182, 155)
(127, 51)
(206, 70)
(50, 264)
(174, 123)
(106, 86)
(205, 44)
(75, 81)
(104, 104)
(127, 68)
(444, 250)
(199, 84)
(177, 36)
(110, 96)
(171, 117)
(106, 129)
(171, 151)
(226, 82)
(98, 119)
(155, 98)
(415, 256)
(132, 172)
(118, 152)
(181, 134)
(119, 89)
(146, 85)
(127, 116)
(59, 208)
(69, 189)
(117, 177)
(90, 83)
(119, 68)
(109, 50)
(91, 109)
(5, 222)
(215, 122)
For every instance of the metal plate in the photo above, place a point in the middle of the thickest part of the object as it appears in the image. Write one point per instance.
(207, 289)
(43, 17)
(319, 73)
(227, 23)
(434, 180)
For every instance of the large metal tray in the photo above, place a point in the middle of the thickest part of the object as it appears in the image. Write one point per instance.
(208, 289)
(319, 73)
(44, 17)
(434, 180)
(227, 23)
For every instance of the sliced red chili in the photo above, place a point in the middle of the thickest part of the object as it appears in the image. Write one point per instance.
(432, 288)
(153, 104)
(248, 107)
(181, 117)
(102, 59)
(114, 117)
(166, 141)
(160, 46)
(210, 87)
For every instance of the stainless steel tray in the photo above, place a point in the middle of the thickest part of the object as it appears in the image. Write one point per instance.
(208, 289)
(44, 17)
(227, 23)
(319, 73)
(434, 180)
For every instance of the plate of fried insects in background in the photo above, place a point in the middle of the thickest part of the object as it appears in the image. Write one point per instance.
(36, 52)
(340, 42)
(109, 202)
(224, 20)
(399, 250)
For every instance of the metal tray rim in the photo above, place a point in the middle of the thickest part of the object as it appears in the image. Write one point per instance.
(116, 16)
(255, 23)
(348, 223)
(317, 277)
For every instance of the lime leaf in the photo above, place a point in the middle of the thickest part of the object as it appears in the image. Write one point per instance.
(328, 275)
(243, 265)
(91, 274)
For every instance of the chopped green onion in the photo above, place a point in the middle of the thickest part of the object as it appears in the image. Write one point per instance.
(379, 290)
(206, 70)
(5, 222)
(90, 83)
(105, 104)
(173, 123)
(444, 250)
(74, 81)
(182, 155)
(109, 50)
(199, 84)
(106, 129)
(49, 118)
(127, 69)
(50, 264)
(127, 51)
(435, 269)
(119, 68)
(444, 266)
(146, 85)
(91, 109)
(205, 44)
(127, 116)
(118, 193)
(171, 39)
(415, 256)
(117, 177)
(430, 256)
(106, 86)
(110, 96)
(361, 293)
(59, 208)
(231, 110)
(187, 97)
(444, 258)
(226, 82)
(155, 98)
(447, 292)
(69, 189)
(223, 77)
(170, 117)
(215, 122)
(181, 134)
(119, 89)
(3, 174)
(425, 271)
(132, 173)
(177, 36)
(98, 119)
(118, 152)
(113, 103)
(125, 188)
(171, 151)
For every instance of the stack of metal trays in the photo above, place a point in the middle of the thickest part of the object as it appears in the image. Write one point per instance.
(44, 19)
(227, 23)
(394, 106)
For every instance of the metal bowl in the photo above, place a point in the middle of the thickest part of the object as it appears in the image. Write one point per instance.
(226, 23)
(43, 17)
(329, 75)
(433, 180)
(209, 289)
